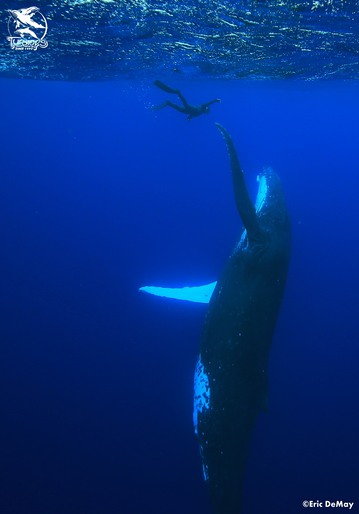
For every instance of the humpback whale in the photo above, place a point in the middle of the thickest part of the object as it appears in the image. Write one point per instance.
(230, 380)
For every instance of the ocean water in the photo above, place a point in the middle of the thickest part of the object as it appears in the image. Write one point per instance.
(103, 39)
(99, 195)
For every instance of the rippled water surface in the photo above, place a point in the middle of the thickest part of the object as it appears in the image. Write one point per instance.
(88, 40)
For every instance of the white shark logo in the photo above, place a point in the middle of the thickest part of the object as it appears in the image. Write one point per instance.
(24, 23)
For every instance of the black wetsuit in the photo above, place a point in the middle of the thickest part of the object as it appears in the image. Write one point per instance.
(192, 111)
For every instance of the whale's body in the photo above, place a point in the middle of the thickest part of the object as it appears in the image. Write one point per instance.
(230, 383)
(231, 373)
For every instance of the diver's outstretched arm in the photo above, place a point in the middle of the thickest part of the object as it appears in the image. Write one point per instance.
(212, 102)
(244, 204)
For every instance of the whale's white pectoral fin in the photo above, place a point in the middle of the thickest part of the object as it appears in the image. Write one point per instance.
(197, 294)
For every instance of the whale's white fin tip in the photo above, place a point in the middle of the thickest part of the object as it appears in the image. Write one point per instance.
(197, 294)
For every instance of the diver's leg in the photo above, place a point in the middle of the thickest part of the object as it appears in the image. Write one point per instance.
(177, 107)
(183, 100)
(172, 91)
(158, 107)
(170, 104)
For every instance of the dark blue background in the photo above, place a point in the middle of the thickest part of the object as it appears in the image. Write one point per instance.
(100, 195)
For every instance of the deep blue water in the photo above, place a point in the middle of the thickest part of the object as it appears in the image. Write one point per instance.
(100, 195)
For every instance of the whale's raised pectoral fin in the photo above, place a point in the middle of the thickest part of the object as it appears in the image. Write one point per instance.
(244, 204)
(197, 294)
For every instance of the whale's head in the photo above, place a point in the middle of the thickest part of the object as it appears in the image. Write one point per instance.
(270, 203)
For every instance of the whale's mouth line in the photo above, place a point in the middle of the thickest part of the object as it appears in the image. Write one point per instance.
(261, 199)
(262, 193)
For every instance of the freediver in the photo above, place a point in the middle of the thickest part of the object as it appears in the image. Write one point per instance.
(192, 111)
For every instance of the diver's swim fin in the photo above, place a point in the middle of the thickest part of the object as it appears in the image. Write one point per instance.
(164, 87)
